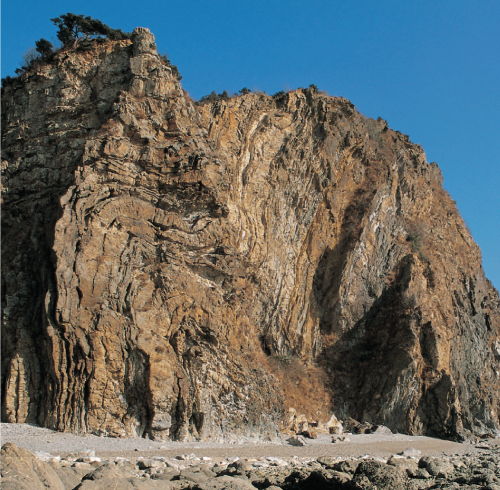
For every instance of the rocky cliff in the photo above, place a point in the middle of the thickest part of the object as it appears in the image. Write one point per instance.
(180, 271)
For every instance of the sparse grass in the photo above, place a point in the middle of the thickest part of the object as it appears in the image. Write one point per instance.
(304, 386)
(416, 241)
(175, 70)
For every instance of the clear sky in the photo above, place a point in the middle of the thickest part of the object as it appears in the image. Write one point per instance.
(430, 67)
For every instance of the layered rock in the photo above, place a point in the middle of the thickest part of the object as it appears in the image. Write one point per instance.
(160, 259)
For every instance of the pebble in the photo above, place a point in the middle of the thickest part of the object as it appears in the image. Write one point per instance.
(297, 441)
(411, 452)
(186, 457)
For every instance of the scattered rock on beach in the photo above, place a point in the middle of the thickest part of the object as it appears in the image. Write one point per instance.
(411, 452)
(334, 425)
(336, 439)
(310, 433)
(297, 424)
(356, 427)
(297, 441)
(477, 470)
(380, 430)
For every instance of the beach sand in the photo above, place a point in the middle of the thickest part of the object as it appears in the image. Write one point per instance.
(40, 440)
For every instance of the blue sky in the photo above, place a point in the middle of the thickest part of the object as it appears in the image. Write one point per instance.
(431, 68)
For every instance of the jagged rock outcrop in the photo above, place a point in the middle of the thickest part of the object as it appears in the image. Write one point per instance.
(161, 258)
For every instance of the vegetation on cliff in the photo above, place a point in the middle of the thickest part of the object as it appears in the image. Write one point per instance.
(73, 31)
(73, 28)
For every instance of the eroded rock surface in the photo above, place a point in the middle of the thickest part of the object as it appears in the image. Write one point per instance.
(21, 470)
(163, 262)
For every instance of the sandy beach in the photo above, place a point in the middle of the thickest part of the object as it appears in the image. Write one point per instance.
(40, 440)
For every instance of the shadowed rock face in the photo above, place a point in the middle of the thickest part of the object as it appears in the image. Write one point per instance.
(157, 256)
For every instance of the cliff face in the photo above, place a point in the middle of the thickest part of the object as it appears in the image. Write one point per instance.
(160, 260)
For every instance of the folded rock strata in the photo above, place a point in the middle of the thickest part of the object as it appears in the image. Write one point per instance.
(163, 262)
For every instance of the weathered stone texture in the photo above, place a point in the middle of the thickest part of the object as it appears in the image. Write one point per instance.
(21, 470)
(155, 253)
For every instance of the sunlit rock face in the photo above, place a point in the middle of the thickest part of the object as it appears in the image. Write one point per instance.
(168, 269)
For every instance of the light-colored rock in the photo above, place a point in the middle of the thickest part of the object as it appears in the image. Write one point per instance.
(334, 425)
(380, 430)
(327, 461)
(289, 419)
(300, 424)
(186, 457)
(411, 452)
(277, 461)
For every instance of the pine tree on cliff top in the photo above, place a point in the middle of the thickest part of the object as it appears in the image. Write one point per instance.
(73, 28)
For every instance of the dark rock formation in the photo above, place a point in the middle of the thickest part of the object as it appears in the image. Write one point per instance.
(163, 262)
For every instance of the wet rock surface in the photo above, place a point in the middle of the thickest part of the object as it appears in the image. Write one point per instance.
(190, 272)
(478, 470)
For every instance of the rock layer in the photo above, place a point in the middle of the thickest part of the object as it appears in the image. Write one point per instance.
(166, 265)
